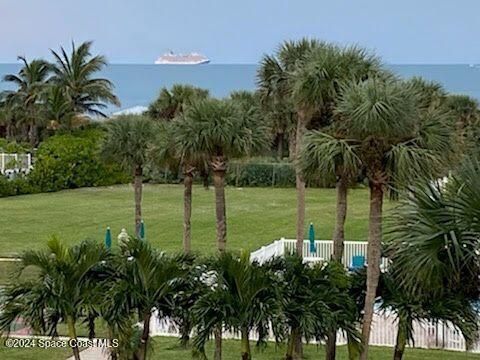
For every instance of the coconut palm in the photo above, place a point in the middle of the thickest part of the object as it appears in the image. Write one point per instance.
(173, 102)
(64, 281)
(75, 74)
(31, 82)
(241, 297)
(396, 144)
(127, 142)
(145, 280)
(220, 130)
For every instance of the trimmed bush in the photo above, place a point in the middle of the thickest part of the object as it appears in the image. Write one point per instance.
(261, 174)
(72, 161)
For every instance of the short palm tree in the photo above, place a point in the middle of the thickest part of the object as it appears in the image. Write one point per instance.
(65, 279)
(31, 82)
(127, 142)
(144, 280)
(75, 74)
(241, 298)
(220, 130)
(396, 144)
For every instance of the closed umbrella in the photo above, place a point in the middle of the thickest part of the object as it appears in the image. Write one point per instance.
(108, 238)
(311, 237)
(142, 230)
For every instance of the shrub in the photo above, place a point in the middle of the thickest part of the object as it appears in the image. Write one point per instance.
(280, 174)
(71, 161)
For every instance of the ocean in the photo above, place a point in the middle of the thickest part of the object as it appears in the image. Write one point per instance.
(138, 85)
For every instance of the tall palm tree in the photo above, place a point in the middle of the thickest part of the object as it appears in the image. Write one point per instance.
(145, 280)
(241, 298)
(31, 83)
(127, 142)
(168, 148)
(396, 144)
(276, 86)
(75, 74)
(220, 130)
(65, 279)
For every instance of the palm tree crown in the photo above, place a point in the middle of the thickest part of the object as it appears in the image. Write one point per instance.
(74, 73)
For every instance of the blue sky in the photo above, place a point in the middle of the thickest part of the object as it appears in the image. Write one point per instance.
(240, 31)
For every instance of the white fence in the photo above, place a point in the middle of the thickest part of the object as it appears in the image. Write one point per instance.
(427, 335)
(324, 251)
(11, 164)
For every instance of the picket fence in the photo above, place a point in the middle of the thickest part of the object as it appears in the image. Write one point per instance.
(323, 251)
(11, 164)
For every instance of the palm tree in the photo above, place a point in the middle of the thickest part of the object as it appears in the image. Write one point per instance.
(65, 279)
(31, 82)
(145, 280)
(313, 301)
(276, 86)
(396, 144)
(75, 72)
(127, 142)
(168, 147)
(220, 130)
(58, 110)
(173, 102)
(241, 298)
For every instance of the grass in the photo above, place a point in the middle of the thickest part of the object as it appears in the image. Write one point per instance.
(33, 353)
(168, 349)
(256, 216)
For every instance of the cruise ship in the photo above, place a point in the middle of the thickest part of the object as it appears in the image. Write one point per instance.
(182, 59)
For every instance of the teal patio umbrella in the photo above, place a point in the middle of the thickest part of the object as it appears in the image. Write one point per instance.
(108, 238)
(311, 237)
(142, 230)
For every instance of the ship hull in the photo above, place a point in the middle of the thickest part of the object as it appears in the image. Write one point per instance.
(163, 62)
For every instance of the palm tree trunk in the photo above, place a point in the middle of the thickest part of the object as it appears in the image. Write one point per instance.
(187, 209)
(142, 350)
(339, 232)
(403, 324)
(300, 183)
(298, 353)
(218, 343)
(137, 185)
(72, 334)
(338, 246)
(219, 168)
(291, 353)
(331, 346)
(246, 352)
(373, 260)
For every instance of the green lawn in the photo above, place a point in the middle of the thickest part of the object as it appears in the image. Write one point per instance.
(168, 349)
(256, 216)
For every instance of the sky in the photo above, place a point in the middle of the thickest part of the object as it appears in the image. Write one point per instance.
(241, 31)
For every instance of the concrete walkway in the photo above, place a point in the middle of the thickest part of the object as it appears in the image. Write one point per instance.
(93, 353)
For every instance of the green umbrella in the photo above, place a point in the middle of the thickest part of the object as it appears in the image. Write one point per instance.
(311, 237)
(142, 230)
(108, 238)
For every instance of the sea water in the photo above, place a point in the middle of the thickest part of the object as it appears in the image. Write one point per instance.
(138, 85)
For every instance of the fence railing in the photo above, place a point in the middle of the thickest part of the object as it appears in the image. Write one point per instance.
(426, 334)
(11, 164)
(323, 251)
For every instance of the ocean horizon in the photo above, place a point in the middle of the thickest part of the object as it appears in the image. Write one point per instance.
(139, 84)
